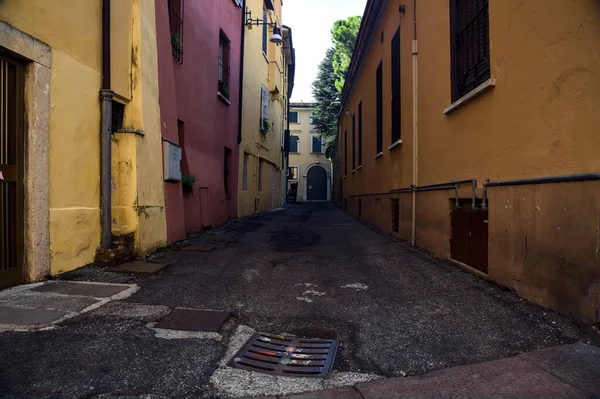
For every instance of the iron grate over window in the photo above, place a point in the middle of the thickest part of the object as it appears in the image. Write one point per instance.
(470, 46)
(176, 28)
(224, 60)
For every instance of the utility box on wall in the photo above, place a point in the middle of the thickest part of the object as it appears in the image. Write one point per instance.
(172, 161)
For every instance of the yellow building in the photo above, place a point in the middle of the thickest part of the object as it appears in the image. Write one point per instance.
(476, 91)
(52, 66)
(310, 170)
(268, 79)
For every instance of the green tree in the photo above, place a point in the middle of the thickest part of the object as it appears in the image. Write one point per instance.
(327, 98)
(344, 35)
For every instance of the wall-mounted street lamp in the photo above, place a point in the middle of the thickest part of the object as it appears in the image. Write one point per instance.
(275, 37)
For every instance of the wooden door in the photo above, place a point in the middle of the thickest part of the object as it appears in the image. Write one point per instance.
(11, 168)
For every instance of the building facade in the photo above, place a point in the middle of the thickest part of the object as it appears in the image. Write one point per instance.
(64, 196)
(310, 170)
(472, 132)
(266, 88)
(199, 47)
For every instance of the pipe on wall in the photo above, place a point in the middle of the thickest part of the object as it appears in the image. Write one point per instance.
(106, 97)
(415, 125)
(536, 180)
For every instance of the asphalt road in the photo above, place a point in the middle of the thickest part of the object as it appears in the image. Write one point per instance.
(309, 270)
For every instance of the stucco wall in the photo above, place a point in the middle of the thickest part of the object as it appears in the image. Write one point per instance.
(540, 119)
(261, 70)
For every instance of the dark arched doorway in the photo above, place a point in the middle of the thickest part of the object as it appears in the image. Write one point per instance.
(316, 184)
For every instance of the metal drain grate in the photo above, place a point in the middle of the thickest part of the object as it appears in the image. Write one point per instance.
(287, 356)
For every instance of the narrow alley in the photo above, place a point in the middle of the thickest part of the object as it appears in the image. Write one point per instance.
(312, 271)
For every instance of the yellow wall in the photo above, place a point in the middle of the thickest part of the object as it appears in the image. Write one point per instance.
(261, 70)
(72, 29)
(540, 119)
(305, 157)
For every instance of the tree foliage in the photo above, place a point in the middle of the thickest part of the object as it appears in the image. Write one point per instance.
(344, 35)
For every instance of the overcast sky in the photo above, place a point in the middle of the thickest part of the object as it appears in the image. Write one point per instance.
(311, 22)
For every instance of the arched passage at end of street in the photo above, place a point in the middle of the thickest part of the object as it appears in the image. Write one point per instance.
(317, 183)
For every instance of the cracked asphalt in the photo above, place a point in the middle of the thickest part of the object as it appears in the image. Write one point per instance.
(309, 270)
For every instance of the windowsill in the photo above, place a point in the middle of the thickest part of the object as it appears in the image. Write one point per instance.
(395, 144)
(223, 98)
(476, 92)
(266, 58)
(378, 155)
(359, 168)
(353, 171)
(317, 153)
(345, 176)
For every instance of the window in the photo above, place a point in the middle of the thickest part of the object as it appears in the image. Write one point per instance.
(264, 32)
(176, 28)
(294, 147)
(264, 101)
(245, 173)
(224, 57)
(294, 117)
(118, 109)
(360, 133)
(469, 46)
(260, 165)
(379, 88)
(353, 141)
(396, 86)
(317, 144)
(293, 173)
(345, 152)
(226, 173)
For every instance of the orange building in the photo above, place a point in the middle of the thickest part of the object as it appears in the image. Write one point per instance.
(470, 128)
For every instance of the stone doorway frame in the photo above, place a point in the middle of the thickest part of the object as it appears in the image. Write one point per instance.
(305, 180)
(37, 57)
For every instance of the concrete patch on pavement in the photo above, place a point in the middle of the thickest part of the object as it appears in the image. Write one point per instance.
(236, 383)
(304, 299)
(314, 293)
(356, 286)
(164, 333)
(307, 285)
(43, 305)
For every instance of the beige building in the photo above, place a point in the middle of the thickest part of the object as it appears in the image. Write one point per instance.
(310, 170)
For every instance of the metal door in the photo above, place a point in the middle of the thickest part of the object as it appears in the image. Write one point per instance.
(469, 242)
(11, 169)
(317, 184)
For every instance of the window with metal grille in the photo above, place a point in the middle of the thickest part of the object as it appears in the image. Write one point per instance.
(224, 57)
(118, 110)
(294, 147)
(379, 88)
(395, 215)
(396, 86)
(245, 172)
(345, 152)
(176, 28)
(360, 133)
(470, 45)
(353, 141)
(294, 117)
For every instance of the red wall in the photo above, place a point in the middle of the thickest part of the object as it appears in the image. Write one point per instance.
(188, 93)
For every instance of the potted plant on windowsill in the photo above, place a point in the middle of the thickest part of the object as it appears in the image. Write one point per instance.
(223, 89)
(187, 184)
(266, 126)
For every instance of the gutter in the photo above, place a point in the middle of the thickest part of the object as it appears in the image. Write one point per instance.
(241, 96)
(415, 100)
(106, 98)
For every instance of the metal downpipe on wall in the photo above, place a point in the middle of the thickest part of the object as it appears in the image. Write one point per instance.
(415, 125)
(537, 180)
(106, 98)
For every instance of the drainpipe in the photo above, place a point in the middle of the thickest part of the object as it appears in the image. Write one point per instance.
(415, 124)
(536, 180)
(106, 96)
(243, 43)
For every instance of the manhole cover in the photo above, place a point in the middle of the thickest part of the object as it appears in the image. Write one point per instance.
(287, 356)
(193, 320)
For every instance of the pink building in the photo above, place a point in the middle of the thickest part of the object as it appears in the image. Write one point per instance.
(199, 53)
